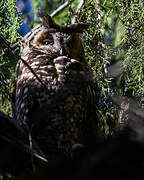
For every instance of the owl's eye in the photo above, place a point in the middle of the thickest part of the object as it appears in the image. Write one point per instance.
(47, 42)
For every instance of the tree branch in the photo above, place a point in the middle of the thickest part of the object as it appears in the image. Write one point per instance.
(15, 135)
(14, 149)
(62, 7)
(81, 4)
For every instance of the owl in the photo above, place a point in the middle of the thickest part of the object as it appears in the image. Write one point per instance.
(55, 89)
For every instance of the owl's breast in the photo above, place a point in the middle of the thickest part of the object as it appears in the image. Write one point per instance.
(58, 76)
(59, 106)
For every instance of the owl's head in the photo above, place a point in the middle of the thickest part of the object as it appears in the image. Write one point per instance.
(61, 40)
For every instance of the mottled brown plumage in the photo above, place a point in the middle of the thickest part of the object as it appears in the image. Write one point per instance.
(60, 111)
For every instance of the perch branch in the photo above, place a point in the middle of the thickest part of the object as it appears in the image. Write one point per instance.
(13, 137)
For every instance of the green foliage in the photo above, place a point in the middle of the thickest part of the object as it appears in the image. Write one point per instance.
(134, 45)
(128, 41)
(95, 49)
(9, 24)
(115, 40)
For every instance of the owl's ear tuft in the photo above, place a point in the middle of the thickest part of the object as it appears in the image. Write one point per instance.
(75, 28)
(46, 20)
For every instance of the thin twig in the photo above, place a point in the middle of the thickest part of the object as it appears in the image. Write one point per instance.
(59, 9)
(17, 56)
(81, 4)
(22, 146)
(103, 7)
